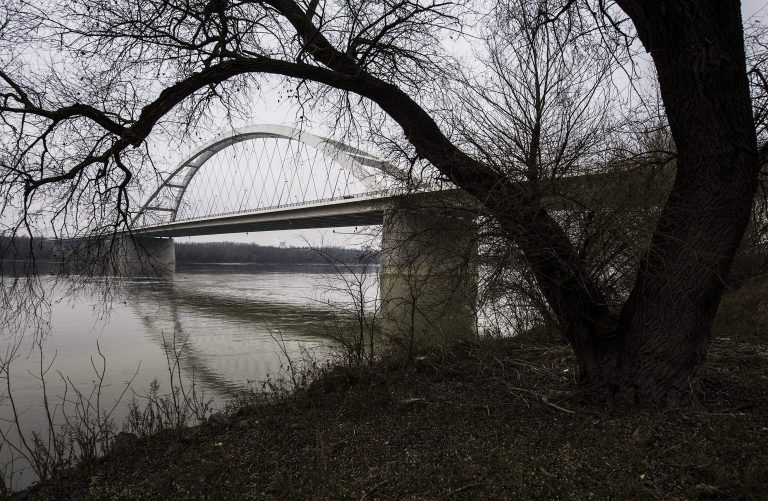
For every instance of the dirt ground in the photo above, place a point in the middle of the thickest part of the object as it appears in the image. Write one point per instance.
(501, 419)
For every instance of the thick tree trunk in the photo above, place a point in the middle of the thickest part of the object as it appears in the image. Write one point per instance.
(698, 50)
(655, 350)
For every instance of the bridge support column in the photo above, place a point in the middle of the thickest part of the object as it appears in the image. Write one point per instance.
(429, 275)
(145, 256)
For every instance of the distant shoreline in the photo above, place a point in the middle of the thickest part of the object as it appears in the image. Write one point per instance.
(222, 263)
(21, 249)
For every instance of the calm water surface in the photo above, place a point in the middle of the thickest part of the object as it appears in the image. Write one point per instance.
(229, 317)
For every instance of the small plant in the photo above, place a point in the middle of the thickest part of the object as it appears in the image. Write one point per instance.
(296, 372)
(358, 284)
(183, 405)
(79, 428)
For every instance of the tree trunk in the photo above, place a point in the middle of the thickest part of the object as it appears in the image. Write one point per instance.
(659, 349)
(653, 352)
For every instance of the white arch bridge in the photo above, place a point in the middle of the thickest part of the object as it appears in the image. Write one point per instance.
(288, 179)
(271, 177)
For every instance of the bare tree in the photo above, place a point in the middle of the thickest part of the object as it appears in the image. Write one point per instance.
(352, 289)
(540, 110)
(114, 72)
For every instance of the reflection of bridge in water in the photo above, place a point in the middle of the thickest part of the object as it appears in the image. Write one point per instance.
(209, 326)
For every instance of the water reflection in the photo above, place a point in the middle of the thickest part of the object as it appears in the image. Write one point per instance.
(226, 321)
(227, 316)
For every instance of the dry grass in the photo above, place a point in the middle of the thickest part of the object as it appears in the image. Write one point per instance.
(496, 420)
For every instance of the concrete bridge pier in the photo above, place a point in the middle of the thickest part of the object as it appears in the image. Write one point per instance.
(145, 256)
(428, 278)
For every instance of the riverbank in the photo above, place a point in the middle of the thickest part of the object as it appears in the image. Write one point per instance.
(501, 419)
(49, 252)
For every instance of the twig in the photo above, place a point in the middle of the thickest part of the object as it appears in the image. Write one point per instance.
(376, 486)
(543, 398)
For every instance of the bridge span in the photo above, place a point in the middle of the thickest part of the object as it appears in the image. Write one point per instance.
(350, 210)
(428, 274)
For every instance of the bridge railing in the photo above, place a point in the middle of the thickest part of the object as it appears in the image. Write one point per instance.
(374, 193)
(283, 206)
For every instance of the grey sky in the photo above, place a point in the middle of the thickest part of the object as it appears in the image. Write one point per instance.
(752, 7)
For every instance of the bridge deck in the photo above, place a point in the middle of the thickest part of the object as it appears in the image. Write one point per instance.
(358, 211)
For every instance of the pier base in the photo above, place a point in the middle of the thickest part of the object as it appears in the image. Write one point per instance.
(429, 275)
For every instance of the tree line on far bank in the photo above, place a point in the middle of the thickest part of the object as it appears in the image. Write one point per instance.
(234, 252)
(49, 249)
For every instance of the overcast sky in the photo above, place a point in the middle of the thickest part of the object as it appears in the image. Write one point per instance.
(752, 7)
(276, 112)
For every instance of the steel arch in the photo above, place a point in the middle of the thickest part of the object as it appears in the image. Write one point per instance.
(357, 162)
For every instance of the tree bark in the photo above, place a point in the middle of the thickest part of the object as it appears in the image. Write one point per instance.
(698, 51)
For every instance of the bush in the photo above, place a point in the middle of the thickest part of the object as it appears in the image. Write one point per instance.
(743, 312)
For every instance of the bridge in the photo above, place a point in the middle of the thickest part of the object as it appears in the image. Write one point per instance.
(271, 177)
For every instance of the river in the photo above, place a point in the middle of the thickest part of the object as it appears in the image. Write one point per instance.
(234, 325)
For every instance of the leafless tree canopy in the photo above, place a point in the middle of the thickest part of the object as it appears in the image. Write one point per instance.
(86, 83)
